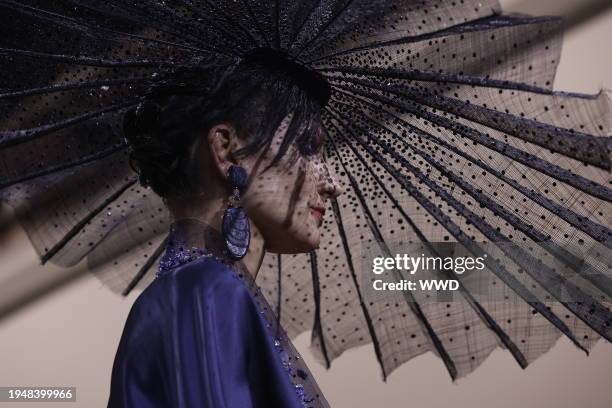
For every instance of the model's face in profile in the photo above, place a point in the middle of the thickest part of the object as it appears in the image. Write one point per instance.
(287, 201)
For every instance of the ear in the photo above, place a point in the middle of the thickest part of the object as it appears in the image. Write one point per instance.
(222, 139)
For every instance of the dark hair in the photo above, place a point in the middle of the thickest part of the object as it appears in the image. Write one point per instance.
(254, 96)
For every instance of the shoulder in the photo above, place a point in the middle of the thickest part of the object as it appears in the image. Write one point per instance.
(203, 283)
(206, 275)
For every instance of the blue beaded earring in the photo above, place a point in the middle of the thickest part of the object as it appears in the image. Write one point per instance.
(236, 229)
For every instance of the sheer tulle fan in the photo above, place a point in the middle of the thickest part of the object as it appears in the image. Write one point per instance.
(443, 127)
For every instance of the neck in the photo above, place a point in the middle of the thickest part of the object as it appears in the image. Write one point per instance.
(201, 227)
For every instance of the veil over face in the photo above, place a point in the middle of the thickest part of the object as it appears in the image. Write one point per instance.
(287, 200)
(442, 126)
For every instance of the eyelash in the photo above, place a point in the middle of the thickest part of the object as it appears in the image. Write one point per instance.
(312, 145)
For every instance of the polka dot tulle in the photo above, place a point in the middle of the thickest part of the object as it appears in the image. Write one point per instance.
(443, 127)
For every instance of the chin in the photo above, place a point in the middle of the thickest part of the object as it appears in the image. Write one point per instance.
(311, 244)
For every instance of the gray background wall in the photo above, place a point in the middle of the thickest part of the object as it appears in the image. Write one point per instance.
(60, 327)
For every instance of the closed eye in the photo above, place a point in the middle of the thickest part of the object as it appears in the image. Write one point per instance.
(312, 144)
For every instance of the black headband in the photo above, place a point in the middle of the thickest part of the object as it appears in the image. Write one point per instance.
(310, 80)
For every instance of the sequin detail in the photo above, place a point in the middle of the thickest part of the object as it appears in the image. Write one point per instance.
(178, 253)
(289, 360)
(305, 400)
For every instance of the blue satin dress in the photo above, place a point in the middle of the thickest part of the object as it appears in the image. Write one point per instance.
(202, 335)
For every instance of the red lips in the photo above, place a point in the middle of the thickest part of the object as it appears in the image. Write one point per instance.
(319, 209)
(318, 212)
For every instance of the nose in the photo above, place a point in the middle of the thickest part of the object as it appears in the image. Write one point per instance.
(327, 185)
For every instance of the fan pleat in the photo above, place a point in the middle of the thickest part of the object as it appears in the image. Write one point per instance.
(264, 39)
(58, 168)
(367, 24)
(79, 225)
(293, 16)
(131, 244)
(506, 49)
(440, 78)
(93, 30)
(265, 19)
(364, 309)
(164, 19)
(237, 41)
(151, 260)
(320, 21)
(227, 13)
(317, 327)
(69, 87)
(88, 61)
(584, 147)
(14, 137)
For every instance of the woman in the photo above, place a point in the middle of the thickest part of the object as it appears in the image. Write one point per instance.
(202, 334)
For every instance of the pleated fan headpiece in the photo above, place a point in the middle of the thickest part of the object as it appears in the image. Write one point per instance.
(443, 127)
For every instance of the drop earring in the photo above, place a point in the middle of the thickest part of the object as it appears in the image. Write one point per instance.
(236, 229)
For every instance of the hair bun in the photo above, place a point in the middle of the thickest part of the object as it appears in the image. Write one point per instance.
(142, 122)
